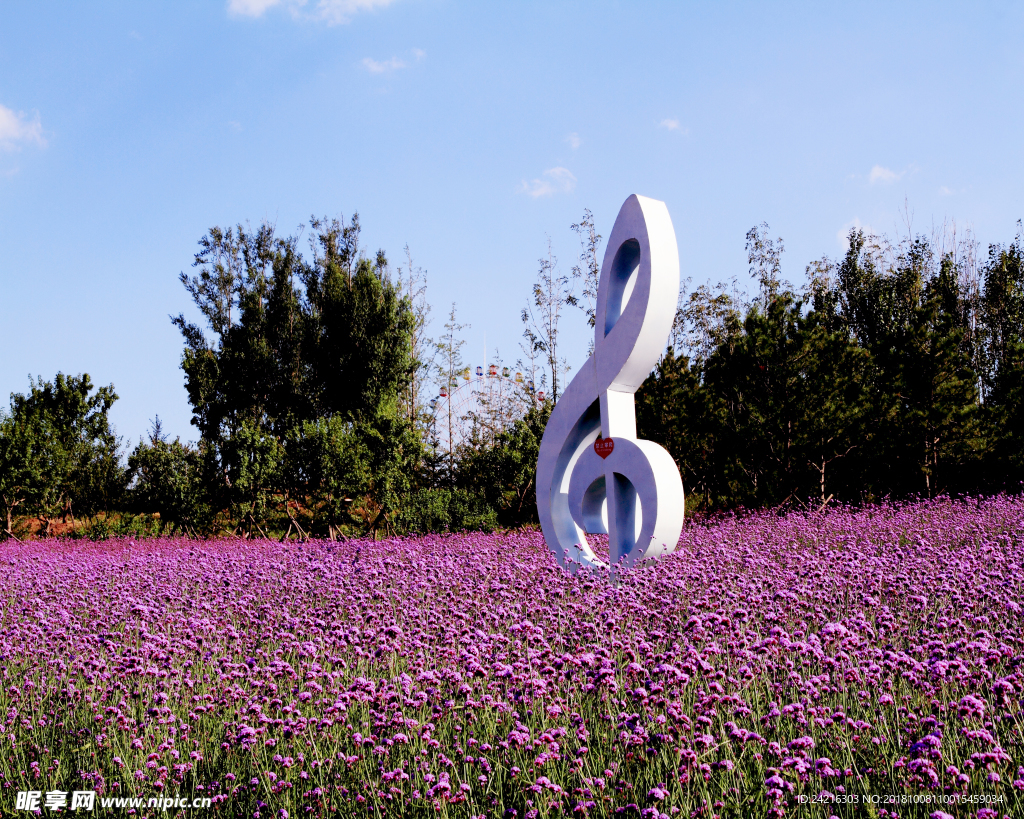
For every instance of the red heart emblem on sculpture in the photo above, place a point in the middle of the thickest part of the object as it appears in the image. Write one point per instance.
(604, 447)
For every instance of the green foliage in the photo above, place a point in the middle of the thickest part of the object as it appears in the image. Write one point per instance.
(784, 388)
(117, 526)
(21, 465)
(58, 453)
(909, 317)
(504, 471)
(253, 458)
(898, 371)
(444, 510)
(1002, 358)
(1006, 418)
(674, 410)
(326, 465)
(309, 360)
(874, 390)
(168, 479)
(766, 416)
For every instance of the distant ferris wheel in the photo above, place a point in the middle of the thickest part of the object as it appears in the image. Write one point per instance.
(473, 396)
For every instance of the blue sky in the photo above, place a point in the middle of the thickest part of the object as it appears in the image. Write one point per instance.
(472, 132)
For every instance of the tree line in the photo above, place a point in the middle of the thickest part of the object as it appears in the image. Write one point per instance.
(898, 370)
(308, 380)
(323, 408)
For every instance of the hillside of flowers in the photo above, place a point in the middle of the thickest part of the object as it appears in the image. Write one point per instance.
(801, 665)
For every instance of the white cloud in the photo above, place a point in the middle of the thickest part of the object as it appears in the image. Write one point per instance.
(673, 125)
(554, 180)
(944, 191)
(883, 175)
(332, 12)
(341, 11)
(252, 8)
(382, 66)
(16, 130)
(574, 140)
(419, 53)
(843, 234)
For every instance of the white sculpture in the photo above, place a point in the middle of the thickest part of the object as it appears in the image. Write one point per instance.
(614, 483)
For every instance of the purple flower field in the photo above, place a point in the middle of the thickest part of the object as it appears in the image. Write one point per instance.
(808, 665)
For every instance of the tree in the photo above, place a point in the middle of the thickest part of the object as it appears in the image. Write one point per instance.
(168, 479)
(1002, 334)
(587, 270)
(413, 286)
(913, 316)
(551, 292)
(358, 327)
(296, 341)
(59, 454)
(673, 409)
(359, 334)
(254, 459)
(705, 320)
(449, 368)
(764, 257)
(1002, 310)
(248, 371)
(760, 381)
(834, 408)
(874, 297)
(21, 476)
(504, 471)
(325, 466)
(938, 387)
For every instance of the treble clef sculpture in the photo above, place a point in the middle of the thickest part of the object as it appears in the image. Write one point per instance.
(593, 474)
